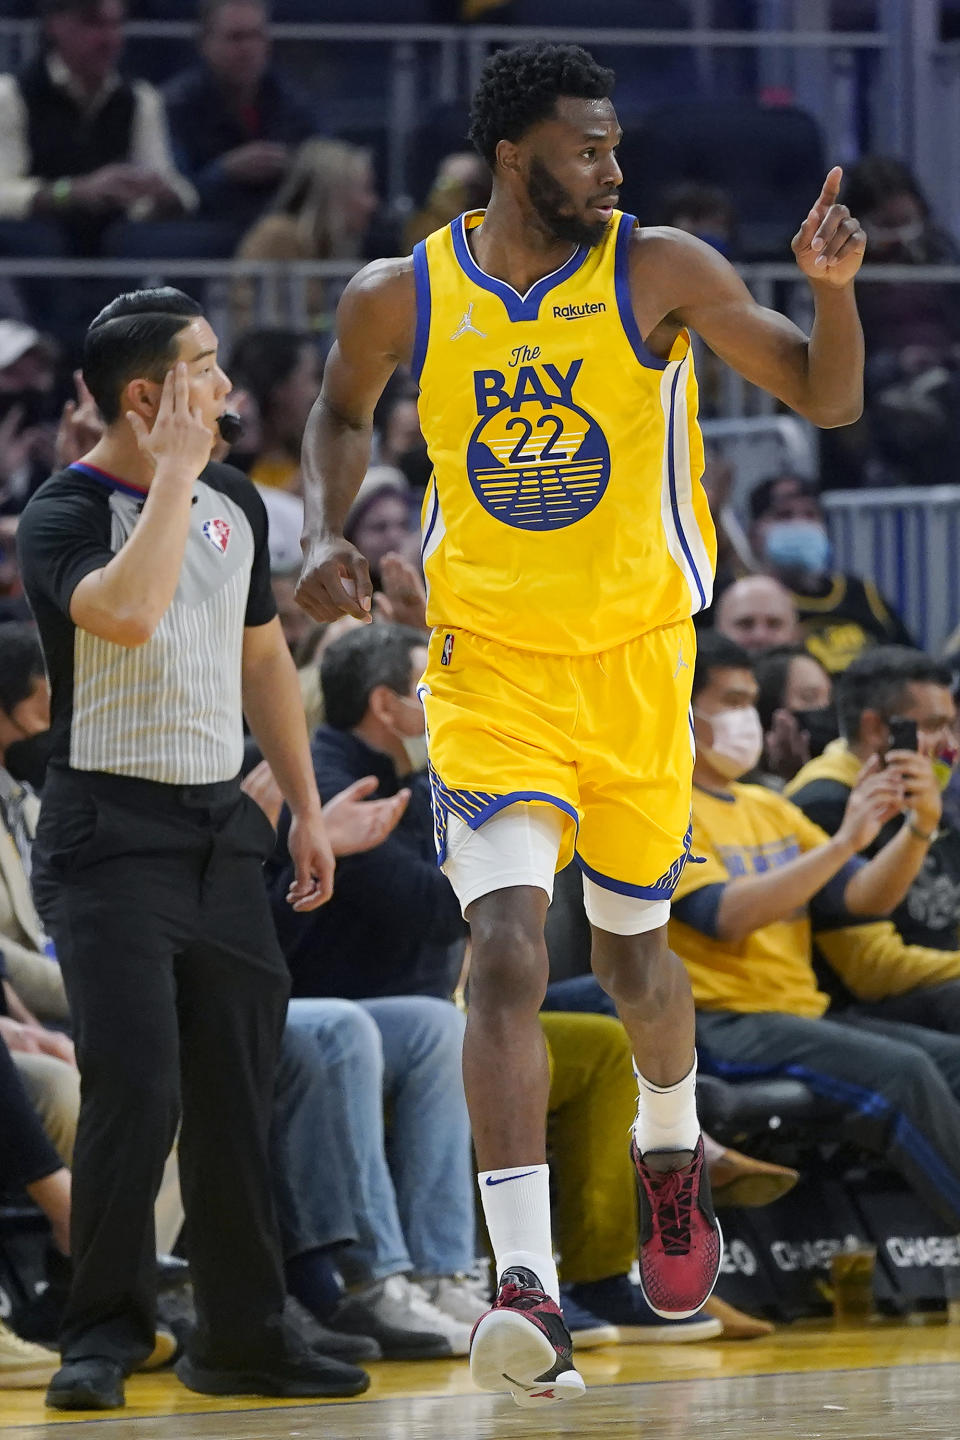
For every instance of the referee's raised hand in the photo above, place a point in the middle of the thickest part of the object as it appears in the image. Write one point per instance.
(179, 441)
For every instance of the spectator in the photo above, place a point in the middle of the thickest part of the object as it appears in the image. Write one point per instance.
(411, 1216)
(79, 145)
(28, 1161)
(462, 182)
(282, 371)
(380, 519)
(235, 120)
(389, 944)
(795, 704)
(758, 613)
(322, 211)
(400, 440)
(28, 412)
(840, 614)
(24, 718)
(887, 684)
(912, 333)
(47, 1066)
(702, 210)
(296, 623)
(741, 924)
(732, 548)
(393, 926)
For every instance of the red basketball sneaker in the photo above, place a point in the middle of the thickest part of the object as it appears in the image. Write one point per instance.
(680, 1241)
(522, 1345)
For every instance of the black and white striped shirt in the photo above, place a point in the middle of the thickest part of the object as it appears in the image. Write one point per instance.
(169, 710)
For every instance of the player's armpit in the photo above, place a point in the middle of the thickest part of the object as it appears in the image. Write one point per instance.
(376, 324)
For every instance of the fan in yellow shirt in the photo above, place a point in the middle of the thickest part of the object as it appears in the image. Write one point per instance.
(741, 925)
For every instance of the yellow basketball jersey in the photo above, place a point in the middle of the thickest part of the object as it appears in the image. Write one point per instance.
(565, 513)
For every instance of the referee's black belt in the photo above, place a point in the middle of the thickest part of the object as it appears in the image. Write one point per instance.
(149, 794)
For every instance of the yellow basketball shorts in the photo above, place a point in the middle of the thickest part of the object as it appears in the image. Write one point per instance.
(605, 738)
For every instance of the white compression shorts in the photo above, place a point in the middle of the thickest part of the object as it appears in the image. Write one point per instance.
(519, 846)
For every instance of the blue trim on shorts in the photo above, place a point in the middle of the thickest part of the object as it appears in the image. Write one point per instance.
(662, 889)
(474, 807)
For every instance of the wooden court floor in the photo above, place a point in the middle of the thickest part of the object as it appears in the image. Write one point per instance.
(804, 1383)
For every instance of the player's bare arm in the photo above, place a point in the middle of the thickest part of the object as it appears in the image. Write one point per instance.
(376, 321)
(820, 376)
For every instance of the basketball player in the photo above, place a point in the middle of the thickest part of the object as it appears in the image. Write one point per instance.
(567, 543)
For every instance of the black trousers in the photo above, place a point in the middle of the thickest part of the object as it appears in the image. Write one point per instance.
(155, 898)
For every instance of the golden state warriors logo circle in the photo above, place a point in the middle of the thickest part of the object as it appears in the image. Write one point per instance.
(536, 461)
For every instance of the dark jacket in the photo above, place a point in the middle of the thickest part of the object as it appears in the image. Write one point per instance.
(393, 926)
(203, 129)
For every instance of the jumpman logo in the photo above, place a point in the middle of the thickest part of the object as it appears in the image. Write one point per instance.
(681, 663)
(466, 325)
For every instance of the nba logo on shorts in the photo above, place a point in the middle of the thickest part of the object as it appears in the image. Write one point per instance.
(447, 655)
(217, 532)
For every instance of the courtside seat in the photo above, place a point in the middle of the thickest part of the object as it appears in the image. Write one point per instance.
(746, 1112)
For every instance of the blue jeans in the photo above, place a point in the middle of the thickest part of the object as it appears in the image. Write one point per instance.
(411, 1191)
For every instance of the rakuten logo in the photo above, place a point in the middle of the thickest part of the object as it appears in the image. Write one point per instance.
(578, 312)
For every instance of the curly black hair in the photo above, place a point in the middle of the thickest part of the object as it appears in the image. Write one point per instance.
(519, 88)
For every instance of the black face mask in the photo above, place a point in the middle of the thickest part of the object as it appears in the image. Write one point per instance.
(821, 726)
(415, 464)
(27, 759)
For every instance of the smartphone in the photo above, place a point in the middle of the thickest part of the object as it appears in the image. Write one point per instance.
(903, 733)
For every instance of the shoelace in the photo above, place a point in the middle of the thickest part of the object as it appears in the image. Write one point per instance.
(673, 1193)
(520, 1299)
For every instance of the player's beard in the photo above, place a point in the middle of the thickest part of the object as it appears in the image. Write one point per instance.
(556, 209)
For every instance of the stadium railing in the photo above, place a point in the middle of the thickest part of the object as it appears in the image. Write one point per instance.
(426, 66)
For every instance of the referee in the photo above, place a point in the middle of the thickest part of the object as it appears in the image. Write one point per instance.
(147, 569)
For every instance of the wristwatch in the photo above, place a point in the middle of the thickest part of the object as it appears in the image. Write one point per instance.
(61, 193)
(920, 835)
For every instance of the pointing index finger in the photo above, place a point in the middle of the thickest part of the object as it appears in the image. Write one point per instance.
(831, 188)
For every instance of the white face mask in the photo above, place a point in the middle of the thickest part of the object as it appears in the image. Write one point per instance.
(737, 741)
(416, 748)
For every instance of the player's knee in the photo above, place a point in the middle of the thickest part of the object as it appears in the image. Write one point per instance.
(508, 957)
(634, 969)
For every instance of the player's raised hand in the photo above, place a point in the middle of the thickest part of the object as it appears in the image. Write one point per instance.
(830, 243)
(335, 581)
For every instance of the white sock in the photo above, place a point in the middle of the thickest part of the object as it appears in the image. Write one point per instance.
(516, 1206)
(712, 1150)
(667, 1114)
